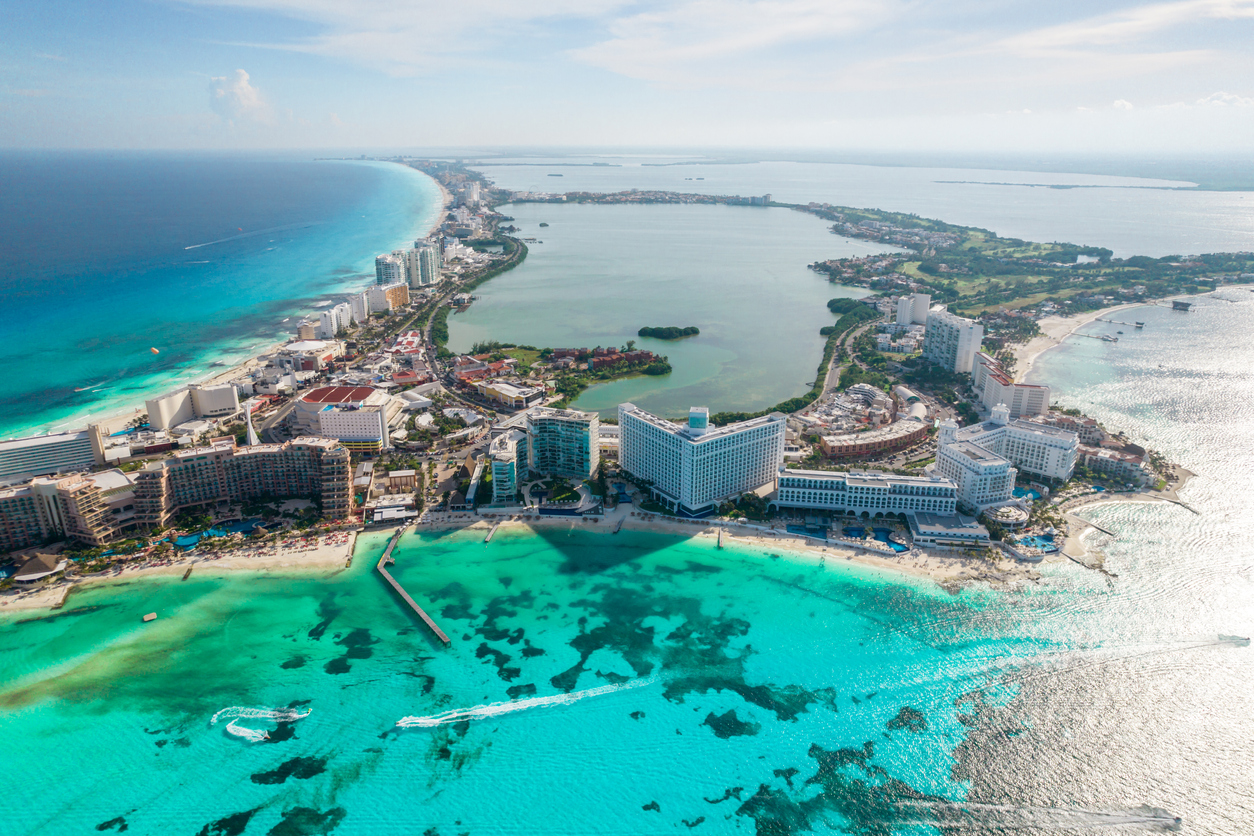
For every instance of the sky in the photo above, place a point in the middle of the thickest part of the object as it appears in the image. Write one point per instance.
(883, 75)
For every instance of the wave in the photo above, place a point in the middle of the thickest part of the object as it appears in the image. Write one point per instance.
(254, 233)
(496, 709)
(238, 712)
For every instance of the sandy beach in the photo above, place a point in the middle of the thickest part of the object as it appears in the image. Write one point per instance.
(1055, 329)
(948, 569)
(327, 552)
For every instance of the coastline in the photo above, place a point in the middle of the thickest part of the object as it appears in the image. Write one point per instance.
(116, 417)
(1055, 329)
(949, 571)
(330, 553)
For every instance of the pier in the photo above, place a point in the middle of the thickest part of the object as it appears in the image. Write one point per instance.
(619, 527)
(1117, 322)
(720, 537)
(495, 526)
(188, 573)
(387, 576)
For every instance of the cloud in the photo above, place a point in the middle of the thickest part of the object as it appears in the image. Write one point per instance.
(236, 100)
(1122, 104)
(1222, 99)
(1128, 25)
(48, 56)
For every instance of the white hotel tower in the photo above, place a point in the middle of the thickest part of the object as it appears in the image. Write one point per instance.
(693, 468)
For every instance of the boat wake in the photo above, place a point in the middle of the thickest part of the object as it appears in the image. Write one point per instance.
(254, 233)
(251, 735)
(236, 713)
(496, 709)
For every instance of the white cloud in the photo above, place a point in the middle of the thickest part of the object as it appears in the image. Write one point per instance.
(1122, 104)
(1222, 99)
(236, 100)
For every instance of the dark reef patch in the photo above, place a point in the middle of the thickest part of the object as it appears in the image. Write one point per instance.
(787, 774)
(357, 645)
(499, 659)
(328, 610)
(636, 715)
(733, 792)
(119, 824)
(516, 691)
(729, 725)
(300, 768)
(297, 661)
(232, 825)
(306, 821)
(908, 718)
(652, 805)
(694, 822)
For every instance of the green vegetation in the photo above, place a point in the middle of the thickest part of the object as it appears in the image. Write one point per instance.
(658, 367)
(670, 332)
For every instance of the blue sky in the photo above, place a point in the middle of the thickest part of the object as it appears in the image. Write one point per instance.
(966, 75)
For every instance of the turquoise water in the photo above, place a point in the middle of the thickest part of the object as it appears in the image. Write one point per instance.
(737, 273)
(745, 675)
(207, 258)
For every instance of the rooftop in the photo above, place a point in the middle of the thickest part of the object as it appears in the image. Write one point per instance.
(337, 394)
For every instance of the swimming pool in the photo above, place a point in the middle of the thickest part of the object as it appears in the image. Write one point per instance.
(1036, 541)
(1030, 493)
(883, 535)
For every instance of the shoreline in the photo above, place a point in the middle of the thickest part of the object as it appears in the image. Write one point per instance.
(330, 553)
(110, 416)
(949, 571)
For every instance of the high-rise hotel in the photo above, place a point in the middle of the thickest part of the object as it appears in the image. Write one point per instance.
(693, 468)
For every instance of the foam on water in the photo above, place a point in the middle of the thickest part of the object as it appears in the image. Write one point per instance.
(253, 735)
(496, 709)
(282, 715)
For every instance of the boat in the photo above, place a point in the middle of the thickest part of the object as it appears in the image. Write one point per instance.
(1109, 339)
(1118, 332)
(1140, 325)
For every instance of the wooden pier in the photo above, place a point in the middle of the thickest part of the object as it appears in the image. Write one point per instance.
(495, 526)
(64, 595)
(188, 573)
(720, 537)
(387, 576)
(621, 520)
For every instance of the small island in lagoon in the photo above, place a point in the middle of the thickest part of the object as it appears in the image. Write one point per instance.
(671, 332)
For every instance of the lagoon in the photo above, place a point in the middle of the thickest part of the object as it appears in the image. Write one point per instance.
(738, 273)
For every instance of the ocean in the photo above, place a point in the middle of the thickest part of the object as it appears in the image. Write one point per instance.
(206, 258)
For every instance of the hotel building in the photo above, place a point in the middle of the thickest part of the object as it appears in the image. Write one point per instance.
(88, 508)
(865, 492)
(693, 468)
(389, 268)
(563, 442)
(317, 468)
(508, 458)
(53, 453)
(995, 386)
(952, 341)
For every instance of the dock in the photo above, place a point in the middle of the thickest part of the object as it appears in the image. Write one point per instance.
(188, 573)
(720, 537)
(61, 601)
(495, 526)
(621, 520)
(387, 576)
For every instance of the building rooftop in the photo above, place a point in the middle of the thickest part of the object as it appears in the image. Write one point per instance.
(709, 434)
(943, 523)
(975, 452)
(338, 394)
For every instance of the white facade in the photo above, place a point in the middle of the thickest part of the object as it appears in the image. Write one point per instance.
(983, 478)
(356, 427)
(389, 269)
(215, 401)
(378, 294)
(359, 304)
(996, 387)
(695, 467)
(952, 341)
(869, 492)
(333, 320)
(188, 404)
(1044, 451)
(56, 453)
(913, 309)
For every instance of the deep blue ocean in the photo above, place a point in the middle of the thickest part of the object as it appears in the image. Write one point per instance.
(203, 257)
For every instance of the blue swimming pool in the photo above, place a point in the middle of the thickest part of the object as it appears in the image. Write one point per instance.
(855, 532)
(883, 535)
(1030, 493)
(1036, 541)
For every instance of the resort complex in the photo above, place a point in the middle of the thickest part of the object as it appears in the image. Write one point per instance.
(693, 468)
